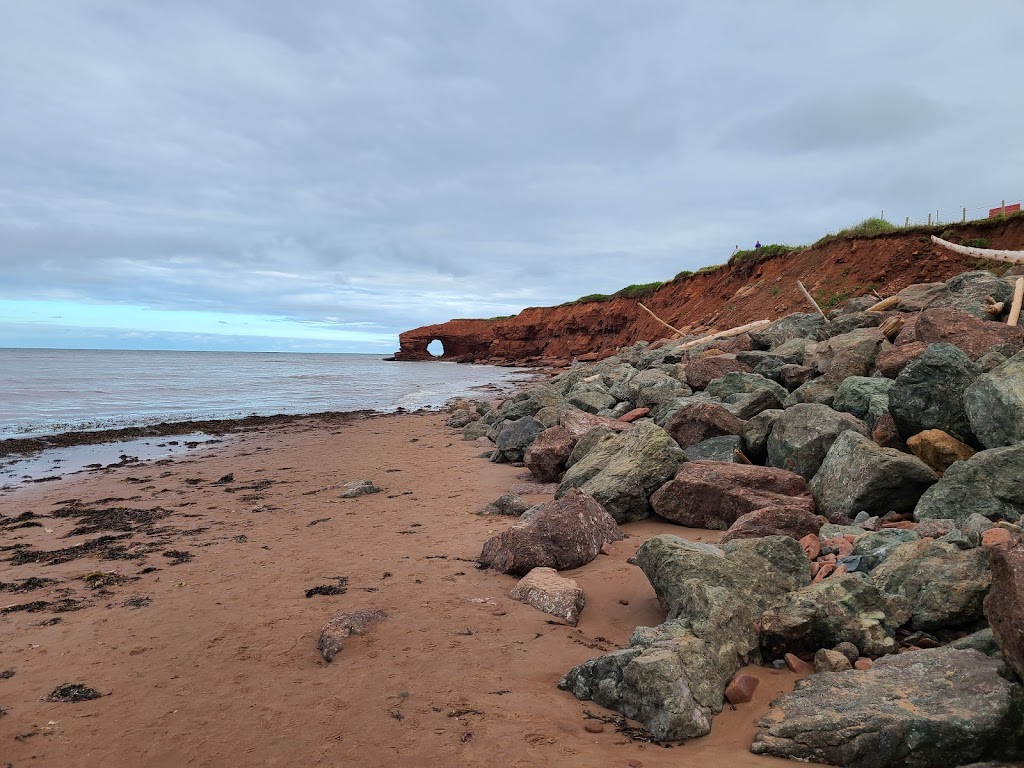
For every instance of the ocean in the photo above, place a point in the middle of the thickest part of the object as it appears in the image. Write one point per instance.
(46, 391)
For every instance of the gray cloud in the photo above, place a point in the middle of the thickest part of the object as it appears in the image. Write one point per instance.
(382, 166)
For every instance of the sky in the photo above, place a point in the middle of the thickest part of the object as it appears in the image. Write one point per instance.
(319, 176)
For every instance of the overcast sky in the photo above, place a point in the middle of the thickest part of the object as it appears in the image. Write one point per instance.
(320, 175)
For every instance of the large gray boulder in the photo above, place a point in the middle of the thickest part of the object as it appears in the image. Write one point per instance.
(799, 325)
(929, 393)
(936, 708)
(850, 354)
(713, 494)
(562, 534)
(969, 292)
(653, 387)
(988, 483)
(803, 434)
(672, 678)
(945, 586)
(722, 448)
(756, 431)
(866, 397)
(622, 472)
(859, 476)
(875, 547)
(847, 608)
(995, 404)
(732, 384)
(515, 438)
(749, 405)
(751, 572)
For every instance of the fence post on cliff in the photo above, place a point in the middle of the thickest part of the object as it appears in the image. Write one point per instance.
(929, 219)
(906, 222)
(963, 219)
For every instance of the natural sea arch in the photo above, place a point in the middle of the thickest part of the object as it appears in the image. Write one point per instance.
(436, 348)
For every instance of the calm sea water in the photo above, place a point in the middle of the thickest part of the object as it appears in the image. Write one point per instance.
(43, 391)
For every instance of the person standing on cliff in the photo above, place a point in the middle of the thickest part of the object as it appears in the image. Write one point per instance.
(757, 245)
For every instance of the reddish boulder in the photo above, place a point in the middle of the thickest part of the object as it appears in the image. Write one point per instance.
(1004, 604)
(811, 545)
(577, 423)
(564, 533)
(939, 450)
(637, 413)
(741, 689)
(798, 665)
(885, 434)
(795, 522)
(995, 537)
(893, 358)
(714, 494)
(965, 331)
(704, 370)
(700, 421)
(547, 455)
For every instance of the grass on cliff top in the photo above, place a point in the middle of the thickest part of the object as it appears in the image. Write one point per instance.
(869, 227)
(764, 252)
(635, 291)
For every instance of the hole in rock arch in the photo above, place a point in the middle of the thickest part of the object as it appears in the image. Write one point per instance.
(436, 348)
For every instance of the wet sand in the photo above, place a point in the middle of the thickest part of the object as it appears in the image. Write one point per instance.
(208, 657)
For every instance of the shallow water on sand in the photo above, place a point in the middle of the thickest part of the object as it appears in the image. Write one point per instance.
(43, 391)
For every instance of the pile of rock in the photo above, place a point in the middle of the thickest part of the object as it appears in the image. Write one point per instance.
(870, 480)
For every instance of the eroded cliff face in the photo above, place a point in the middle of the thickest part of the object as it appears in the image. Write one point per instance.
(724, 298)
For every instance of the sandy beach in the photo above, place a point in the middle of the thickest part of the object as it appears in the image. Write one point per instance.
(204, 643)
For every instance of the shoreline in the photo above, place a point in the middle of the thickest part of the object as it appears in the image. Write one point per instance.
(206, 623)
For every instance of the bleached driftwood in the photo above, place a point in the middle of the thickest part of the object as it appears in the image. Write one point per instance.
(1013, 257)
(892, 326)
(993, 307)
(1018, 299)
(884, 304)
(810, 298)
(676, 331)
(725, 334)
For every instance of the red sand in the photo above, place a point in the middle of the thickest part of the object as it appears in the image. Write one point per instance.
(221, 669)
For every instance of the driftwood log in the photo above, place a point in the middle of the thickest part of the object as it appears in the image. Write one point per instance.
(1018, 299)
(725, 334)
(884, 304)
(891, 327)
(1013, 257)
(810, 298)
(676, 331)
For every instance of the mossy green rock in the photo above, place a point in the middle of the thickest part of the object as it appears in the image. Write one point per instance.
(622, 472)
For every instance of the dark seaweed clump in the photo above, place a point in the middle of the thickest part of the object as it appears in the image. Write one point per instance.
(115, 519)
(72, 692)
(330, 589)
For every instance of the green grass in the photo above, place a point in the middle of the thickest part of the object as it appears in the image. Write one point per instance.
(709, 269)
(976, 242)
(762, 253)
(867, 228)
(638, 290)
(684, 274)
(501, 317)
(591, 297)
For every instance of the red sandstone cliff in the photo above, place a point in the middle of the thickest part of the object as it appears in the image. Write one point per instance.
(726, 297)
